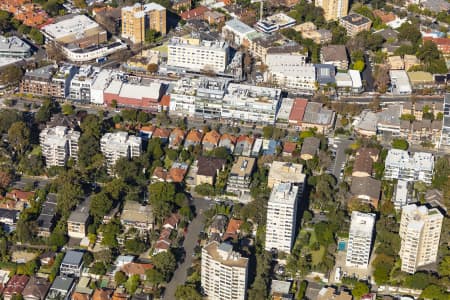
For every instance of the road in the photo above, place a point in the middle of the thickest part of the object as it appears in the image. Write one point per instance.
(364, 99)
(190, 241)
(338, 147)
(367, 74)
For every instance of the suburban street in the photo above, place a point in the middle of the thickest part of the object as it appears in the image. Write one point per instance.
(190, 241)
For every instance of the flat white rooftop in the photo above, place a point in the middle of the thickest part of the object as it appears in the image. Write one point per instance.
(76, 25)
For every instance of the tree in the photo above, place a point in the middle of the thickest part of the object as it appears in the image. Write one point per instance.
(135, 246)
(400, 144)
(154, 276)
(5, 20)
(268, 132)
(45, 111)
(101, 204)
(434, 292)
(120, 278)
(19, 137)
(98, 268)
(360, 289)
(444, 266)
(80, 3)
(36, 36)
(187, 292)
(152, 68)
(409, 32)
(11, 74)
(132, 284)
(359, 65)
(151, 36)
(110, 232)
(161, 198)
(92, 125)
(67, 109)
(165, 263)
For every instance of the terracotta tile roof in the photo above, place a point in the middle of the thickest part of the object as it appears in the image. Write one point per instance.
(234, 225)
(20, 195)
(289, 147)
(16, 285)
(160, 172)
(136, 268)
(385, 17)
(177, 174)
(227, 136)
(101, 294)
(244, 138)
(194, 136)
(197, 12)
(148, 128)
(212, 137)
(177, 136)
(298, 110)
(173, 220)
(119, 295)
(80, 296)
(161, 133)
(165, 101)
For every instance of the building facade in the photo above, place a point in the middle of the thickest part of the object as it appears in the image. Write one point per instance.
(198, 55)
(355, 23)
(420, 231)
(137, 19)
(282, 217)
(58, 145)
(360, 239)
(333, 9)
(117, 145)
(223, 272)
(241, 176)
(400, 165)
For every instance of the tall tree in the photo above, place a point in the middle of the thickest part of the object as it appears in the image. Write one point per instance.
(19, 137)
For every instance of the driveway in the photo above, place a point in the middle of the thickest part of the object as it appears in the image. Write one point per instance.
(190, 241)
(339, 146)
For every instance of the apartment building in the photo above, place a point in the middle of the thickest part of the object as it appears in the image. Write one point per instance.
(137, 19)
(445, 136)
(48, 81)
(58, 145)
(335, 55)
(285, 172)
(400, 165)
(301, 77)
(240, 177)
(236, 32)
(355, 23)
(223, 272)
(420, 230)
(135, 215)
(333, 9)
(251, 103)
(13, 47)
(78, 219)
(117, 145)
(360, 239)
(274, 23)
(198, 54)
(81, 83)
(72, 263)
(282, 217)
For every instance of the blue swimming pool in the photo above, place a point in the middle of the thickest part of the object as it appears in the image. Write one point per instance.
(342, 246)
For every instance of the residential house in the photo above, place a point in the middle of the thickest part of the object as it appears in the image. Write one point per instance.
(421, 80)
(146, 132)
(36, 288)
(16, 200)
(135, 215)
(297, 112)
(176, 138)
(197, 13)
(162, 133)
(47, 218)
(72, 263)
(193, 138)
(211, 140)
(363, 165)
(310, 147)
(8, 219)
(227, 141)
(47, 258)
(102, 294)
(281, 290)
(319, 117)
(244, 145)
(164, 242)
(179, 5)
(233, 229)
(15, 286)
(330, 293)
(208, 169)
(175, 174)
(134, 268)
(289, 148)
(172, 221)
(61, 288)
(366, 189)
(218, 225)
(269, 147)
(214, 17)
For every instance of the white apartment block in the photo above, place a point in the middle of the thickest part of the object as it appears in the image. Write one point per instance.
(420, 231)
(282, 217)
(360, 239)
(117, 145)
(445, 136)
(58, 145)
(198, 55)
(400, 165)
(301, 76)
(285, 60)
(224, 272)
(251, 103)
(81, 84)
(214, 98)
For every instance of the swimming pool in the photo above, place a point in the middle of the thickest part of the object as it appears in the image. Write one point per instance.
(342, 246)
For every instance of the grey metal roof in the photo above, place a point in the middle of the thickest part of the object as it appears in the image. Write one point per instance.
(73, 258)
(62, 283)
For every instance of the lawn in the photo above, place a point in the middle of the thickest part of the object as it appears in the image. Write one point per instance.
(317, 256)
(163, 49)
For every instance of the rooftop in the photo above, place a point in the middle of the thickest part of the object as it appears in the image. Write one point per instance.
(243, 166)
(135, 212)
(13, 44)
(356, 19)
(239, 26)
(224, 254)
(208, 166)
(332, 53)
(315, 113)
(366, 186)
(362, 223)
(286, 172)
(73, 258)
(76, 25)
(284, 193)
